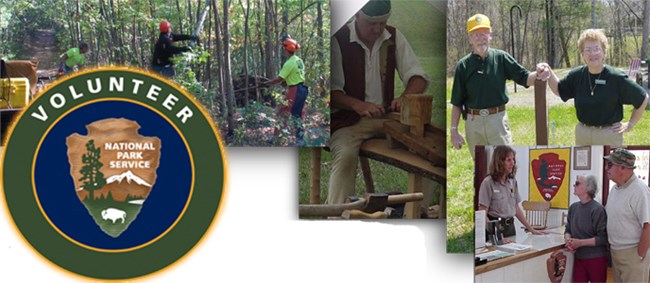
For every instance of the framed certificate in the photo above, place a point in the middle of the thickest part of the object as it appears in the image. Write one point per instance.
(582, 157)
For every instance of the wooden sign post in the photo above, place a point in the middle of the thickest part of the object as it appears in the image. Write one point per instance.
(541, 113)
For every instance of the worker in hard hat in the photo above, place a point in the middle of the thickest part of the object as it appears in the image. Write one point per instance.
(165, 49)
(293, 73)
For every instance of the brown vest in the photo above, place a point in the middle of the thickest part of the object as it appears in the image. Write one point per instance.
(353, 60)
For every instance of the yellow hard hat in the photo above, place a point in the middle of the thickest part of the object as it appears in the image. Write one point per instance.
(478, 21)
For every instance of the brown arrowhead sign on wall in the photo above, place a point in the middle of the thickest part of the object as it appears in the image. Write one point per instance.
(549, 172)
(114, 171)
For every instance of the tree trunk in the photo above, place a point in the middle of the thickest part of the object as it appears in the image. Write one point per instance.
(246, 13)
(646, 30)
(219, 56)
(268, 53)
(230, 92)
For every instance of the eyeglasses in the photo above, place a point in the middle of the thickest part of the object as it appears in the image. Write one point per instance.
(577, 183)
(609, 165)
(476, 34)
(592, 50)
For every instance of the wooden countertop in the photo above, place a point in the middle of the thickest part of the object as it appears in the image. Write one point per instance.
(542, 244)
(502, 262)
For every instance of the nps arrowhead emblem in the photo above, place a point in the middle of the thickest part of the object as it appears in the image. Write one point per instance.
(114, 170)
(549, 172)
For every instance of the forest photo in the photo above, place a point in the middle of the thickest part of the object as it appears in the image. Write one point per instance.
(227, 54)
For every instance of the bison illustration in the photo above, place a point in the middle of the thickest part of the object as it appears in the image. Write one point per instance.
(113, 214)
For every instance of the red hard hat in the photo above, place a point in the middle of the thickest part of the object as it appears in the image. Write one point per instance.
(164, 26)
(290, 45)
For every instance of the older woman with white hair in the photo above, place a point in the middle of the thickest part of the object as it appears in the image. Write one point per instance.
(586, 234)
(599, 92)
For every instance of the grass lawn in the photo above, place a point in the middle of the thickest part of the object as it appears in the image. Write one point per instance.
(460, 167)
(425, 29)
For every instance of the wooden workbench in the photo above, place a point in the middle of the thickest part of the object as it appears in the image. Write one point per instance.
(379, 150)
(416, 166)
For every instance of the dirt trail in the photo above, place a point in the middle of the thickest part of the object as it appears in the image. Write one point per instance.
(43, 48)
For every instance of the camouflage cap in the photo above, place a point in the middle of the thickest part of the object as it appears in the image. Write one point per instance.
(376, 11)
(623, 157)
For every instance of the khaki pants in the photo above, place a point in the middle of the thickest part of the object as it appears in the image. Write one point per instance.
(344, 145)
(597, 136)
(487, 130)
(628, 267)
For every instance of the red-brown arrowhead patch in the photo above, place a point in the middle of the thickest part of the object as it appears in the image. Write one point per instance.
(549, 172)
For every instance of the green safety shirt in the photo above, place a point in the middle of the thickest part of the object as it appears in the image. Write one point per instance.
(481, 83)
(612, 89)
(293, 71)
(75, 57)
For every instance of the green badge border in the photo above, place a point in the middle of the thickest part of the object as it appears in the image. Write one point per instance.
(200, 212)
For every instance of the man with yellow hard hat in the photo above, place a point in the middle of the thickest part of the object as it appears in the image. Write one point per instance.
(479, 88)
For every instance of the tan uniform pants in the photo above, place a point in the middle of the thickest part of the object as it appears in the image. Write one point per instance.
(492, 129)
(597, 136)
(344, 145)
(628, 267)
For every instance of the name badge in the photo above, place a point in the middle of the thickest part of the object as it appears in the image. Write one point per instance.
(496, 191)
(480, 72)
(601, 82)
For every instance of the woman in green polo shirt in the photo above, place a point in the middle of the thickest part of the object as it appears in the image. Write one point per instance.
(599, 92)
(293, 72)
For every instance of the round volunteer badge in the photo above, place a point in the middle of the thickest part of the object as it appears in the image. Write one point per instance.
(113, 173)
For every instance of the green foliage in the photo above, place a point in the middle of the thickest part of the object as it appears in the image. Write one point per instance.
(92, 178)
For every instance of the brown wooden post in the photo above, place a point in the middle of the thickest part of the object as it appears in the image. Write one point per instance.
(541, 113)
(412, 209)
(367, 174)
(314, 196)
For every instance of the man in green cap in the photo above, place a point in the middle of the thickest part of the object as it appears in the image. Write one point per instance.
(366, 53)
(479, 88)
(628, 219)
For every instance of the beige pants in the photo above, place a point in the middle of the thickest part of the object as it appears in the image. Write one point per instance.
(597, 136)
(627, 266)
(344, 145)
(487, 130)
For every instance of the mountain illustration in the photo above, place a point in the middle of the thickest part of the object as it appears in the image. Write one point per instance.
(129, 177)
(120, 187)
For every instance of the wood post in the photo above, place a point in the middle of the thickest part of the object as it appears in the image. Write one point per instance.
(314, 196)
(412, 209)
(541, 113)
(367, 174)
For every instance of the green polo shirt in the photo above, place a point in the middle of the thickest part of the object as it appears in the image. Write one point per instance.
(75, 57)
(481, 83)
(293, 71)
(612, 90)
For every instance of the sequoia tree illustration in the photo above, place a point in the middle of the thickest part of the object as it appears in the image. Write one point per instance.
(92, 178)
(543, 174)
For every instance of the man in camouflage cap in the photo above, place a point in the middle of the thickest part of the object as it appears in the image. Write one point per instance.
(628, 219)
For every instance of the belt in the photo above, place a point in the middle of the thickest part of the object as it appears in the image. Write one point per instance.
(502, 220)
(597, 127)
(486, 111)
